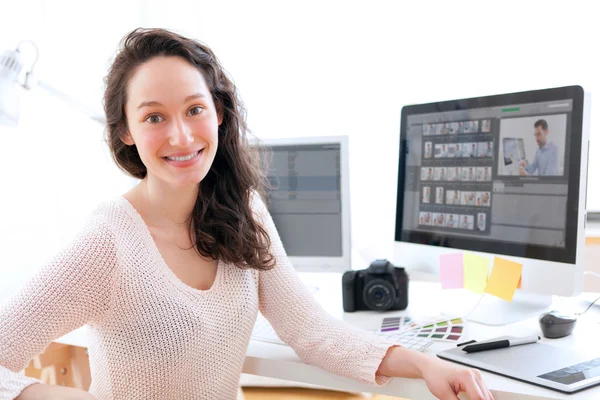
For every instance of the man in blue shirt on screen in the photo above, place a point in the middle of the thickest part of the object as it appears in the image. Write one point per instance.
(546, 157)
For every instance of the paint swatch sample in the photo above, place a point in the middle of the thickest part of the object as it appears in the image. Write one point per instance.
(476, 269)
(394, 324)
(439, 330)
(505, 278)
(391, 324)
(451, 271)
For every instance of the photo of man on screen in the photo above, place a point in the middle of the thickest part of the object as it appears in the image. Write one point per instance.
(428, 219)
(532, 146)
(453, 197)
(425, 218)
(474, 150)
(444, 151)
(439, 195)
(428, 150)
(457, 150)
(545, 162)
(466, 222)
(439, 220)
(451, 220)
(481, 222)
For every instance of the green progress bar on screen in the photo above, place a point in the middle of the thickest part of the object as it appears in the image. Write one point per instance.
(512, 109)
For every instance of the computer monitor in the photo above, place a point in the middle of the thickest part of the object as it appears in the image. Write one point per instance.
(310, 200)
(499, 175)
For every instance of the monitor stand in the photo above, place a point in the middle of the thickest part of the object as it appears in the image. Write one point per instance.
(494, 311)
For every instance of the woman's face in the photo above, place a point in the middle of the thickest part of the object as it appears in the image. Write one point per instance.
(172, 120)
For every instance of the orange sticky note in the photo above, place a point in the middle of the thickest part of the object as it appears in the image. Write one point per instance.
(476, 269)
(504, 279)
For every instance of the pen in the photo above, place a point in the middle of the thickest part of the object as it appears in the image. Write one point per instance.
(499, 344)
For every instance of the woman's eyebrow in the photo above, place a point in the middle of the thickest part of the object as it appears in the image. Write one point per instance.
(156, 103)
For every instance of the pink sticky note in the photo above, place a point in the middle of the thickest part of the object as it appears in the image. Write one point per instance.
(451, 271)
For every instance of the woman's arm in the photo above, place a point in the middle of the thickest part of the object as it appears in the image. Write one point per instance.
(73, 289)
(444, 380)
(300, 321)
(49, 392)
(334, 345)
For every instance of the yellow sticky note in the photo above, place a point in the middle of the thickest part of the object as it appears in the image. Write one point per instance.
(504, 279)
(476, 270)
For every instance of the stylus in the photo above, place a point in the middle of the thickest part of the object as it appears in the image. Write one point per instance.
(499, 344)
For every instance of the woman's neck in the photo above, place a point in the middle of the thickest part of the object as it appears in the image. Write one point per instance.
(165, 206)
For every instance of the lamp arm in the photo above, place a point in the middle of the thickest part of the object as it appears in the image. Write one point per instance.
(72, 102)
(31, 81)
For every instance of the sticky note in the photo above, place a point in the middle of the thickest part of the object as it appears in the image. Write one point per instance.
(475, 272)
(504, 279)
(451, 271)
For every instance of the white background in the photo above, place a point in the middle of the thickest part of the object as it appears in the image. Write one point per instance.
(304, 68)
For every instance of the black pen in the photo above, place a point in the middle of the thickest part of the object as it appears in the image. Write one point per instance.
(499, 344)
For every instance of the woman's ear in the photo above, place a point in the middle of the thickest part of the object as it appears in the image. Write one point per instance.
(127, 139)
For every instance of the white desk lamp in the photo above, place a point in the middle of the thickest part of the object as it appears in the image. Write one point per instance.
(10, 68)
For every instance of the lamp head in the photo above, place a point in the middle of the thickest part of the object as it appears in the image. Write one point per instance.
(10, 67)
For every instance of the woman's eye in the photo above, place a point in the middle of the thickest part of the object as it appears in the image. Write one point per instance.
(195, 110)
(154, 119)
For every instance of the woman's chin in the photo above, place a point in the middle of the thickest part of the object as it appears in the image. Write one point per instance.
(190, 181)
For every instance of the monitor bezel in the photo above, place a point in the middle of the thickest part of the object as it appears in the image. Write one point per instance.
(576, 175)
(325, 264)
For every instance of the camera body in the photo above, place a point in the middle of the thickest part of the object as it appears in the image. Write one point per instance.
(380, 287)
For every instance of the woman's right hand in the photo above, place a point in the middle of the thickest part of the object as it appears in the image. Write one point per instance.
(40, 391)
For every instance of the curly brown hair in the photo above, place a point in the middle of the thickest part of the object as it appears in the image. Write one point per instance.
(223, 222)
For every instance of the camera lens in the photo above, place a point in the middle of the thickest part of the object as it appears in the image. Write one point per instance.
(379, 295)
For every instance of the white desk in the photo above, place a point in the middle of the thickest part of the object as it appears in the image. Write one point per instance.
(281, 362)
(276, 361)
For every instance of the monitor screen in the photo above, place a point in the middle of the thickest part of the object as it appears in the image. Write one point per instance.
(497, 174)
(306, 198)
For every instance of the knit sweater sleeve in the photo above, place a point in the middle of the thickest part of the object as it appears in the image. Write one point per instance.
(73, 289)
(317, 337)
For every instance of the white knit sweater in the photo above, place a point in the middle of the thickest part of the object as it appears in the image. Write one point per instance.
(154, 337)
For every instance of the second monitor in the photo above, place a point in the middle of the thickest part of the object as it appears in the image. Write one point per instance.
(309, 200)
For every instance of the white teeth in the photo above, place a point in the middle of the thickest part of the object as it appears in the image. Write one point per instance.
(183, 158)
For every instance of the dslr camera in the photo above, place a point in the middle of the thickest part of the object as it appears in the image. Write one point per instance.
(380, 287)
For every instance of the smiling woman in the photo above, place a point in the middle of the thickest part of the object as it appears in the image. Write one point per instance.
(168, 99)
(171, 276)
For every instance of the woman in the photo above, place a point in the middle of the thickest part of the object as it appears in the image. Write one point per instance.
(170, 276)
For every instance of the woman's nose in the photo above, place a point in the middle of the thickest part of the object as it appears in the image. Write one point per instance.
(181, 134)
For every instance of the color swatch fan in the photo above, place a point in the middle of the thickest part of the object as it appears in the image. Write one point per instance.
(444, 330)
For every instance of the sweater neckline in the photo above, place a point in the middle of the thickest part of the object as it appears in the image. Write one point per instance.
(164, 267)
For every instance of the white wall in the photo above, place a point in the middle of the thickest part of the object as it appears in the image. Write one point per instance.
(304, 68)
(54, 167)
(348, 67)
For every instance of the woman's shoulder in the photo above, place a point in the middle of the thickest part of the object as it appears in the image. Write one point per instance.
(257, 202)
(113, 213)
(258, 205)
(114, 205)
